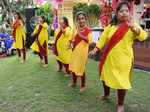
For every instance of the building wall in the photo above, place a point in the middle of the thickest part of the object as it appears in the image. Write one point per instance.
(146, 1)
(66, 9)
(81, 1)
(88, 1)
(95, 2)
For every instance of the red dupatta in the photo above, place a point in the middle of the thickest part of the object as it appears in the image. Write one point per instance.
(78, 38)
(116, 37)
(55, 44)
(15, 26)
(42, 49)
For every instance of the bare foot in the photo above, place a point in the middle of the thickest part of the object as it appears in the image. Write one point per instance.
(22, 61)
(71, 84)
(82, 90)
(40, 61)
(102, 97)
(45, 65)
(19, 58)
(120, 108)
(67, 75)
(58, 70)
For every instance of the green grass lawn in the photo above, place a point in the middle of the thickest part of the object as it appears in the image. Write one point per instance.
(31, 88)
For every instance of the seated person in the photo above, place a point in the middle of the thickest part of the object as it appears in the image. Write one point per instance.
(5, 37)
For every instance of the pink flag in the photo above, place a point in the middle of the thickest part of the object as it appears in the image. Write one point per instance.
(37, 0)
(131, 8)
(40, 1)
(55, 20)
(114, 5)
(58, 0)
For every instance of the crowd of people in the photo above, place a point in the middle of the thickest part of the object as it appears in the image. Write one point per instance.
(72, 49)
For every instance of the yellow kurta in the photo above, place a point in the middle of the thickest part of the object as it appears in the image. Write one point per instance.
(117, 67)
(62, 44)
(79, 55)
(43, 37)
(20, 36)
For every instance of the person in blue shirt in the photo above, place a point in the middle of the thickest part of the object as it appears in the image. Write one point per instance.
(5, 37)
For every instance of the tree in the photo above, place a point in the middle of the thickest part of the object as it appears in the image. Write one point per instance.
(46, 11)
(9, 6)
(7, 9)
(93, 12)
(78, 7)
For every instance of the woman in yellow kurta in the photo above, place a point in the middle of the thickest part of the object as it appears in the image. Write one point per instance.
(82, 38)
(60, 43)
(19, 36)
(117, 60)
(41, 43)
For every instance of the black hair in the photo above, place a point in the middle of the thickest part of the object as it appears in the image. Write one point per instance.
(65, 21)
(44, 18)
(147, 13)
(119, 6)
(19, 15)
(79, 13)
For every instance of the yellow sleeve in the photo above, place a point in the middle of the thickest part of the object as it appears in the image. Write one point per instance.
(45, 26)
(103, 38)
(67, 32)
(20, 22)
(73, 34)
(55, 35)
(36, 29)
(143, 34)
(90, 38)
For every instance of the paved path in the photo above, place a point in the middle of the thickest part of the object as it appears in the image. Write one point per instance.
(142, 54)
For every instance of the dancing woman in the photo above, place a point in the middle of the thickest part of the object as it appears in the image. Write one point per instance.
(117, 60)
(41, 43)
(19, 36)
(81, 38)
(60, 43)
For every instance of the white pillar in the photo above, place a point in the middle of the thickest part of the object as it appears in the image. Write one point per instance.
(137, 11)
